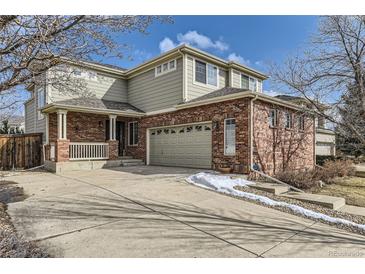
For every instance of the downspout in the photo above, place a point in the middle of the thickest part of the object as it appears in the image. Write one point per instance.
(251, 130)
(184, 75)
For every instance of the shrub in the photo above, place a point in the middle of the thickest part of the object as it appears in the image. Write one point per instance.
(299, 179)
(333, 169)
(311, 178)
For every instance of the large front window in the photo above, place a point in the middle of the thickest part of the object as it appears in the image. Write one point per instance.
(133, 133)
(206, 73)
(229, 137)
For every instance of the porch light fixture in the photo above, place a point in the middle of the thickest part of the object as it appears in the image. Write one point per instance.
(215, 125)
(100, 123)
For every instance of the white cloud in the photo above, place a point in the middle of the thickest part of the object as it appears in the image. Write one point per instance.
(166, 44)
(192, 37)
(238, 58)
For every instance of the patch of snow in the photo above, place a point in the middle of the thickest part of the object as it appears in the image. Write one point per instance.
(225, 184)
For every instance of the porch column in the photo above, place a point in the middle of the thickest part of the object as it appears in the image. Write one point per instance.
(112, 127)
(113, 143)
(62, 125)
(62, 143)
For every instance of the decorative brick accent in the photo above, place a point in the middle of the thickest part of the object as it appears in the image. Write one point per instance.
(113, 149)
(62, 150)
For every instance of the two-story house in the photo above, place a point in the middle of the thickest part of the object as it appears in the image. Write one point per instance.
(183, 108)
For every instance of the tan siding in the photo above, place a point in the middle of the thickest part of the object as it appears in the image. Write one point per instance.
(30, 117)
(105, 87)
(150, 93)
(194, 90)
(236, 79)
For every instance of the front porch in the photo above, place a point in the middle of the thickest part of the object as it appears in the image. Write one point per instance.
(85, 139)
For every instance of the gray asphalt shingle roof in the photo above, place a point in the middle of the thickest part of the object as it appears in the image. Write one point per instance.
(91, 102)
(218, 93)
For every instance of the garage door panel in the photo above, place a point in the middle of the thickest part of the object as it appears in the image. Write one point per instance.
(189, 146)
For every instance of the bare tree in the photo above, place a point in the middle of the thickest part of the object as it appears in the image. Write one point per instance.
(331, 70)
(31, 45)
(282, 147)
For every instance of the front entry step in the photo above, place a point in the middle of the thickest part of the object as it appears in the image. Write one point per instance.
(131, 162)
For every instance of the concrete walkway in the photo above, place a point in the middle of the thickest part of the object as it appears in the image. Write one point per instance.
(151, 212)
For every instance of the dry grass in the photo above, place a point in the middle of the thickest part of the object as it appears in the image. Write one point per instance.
(350, 188)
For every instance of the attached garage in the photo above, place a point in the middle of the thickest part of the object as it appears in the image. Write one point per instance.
(183, 146)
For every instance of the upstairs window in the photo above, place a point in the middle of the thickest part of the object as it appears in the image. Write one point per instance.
(273, 118)
(244, 81)
(288, 122)
(133, 133)
(165, 68)
(251, 83)
(206, 73)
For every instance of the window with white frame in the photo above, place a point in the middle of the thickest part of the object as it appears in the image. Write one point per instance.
(288, 122)
(301, 122)
(229, 137)
(273, 118)
(206, 73)
(133, 133)
(41, 101)
(259, 86)
(244, 81)
(165, 68)
(251, 83)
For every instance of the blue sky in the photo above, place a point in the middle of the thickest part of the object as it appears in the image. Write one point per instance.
(253, 40)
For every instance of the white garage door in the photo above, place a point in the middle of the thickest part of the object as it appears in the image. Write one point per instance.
(185, 146)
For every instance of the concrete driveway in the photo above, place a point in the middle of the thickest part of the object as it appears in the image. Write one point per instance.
(152, 212)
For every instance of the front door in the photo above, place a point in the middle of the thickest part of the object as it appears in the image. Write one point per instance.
(119, 136)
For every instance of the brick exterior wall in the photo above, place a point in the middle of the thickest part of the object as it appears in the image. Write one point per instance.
(85, 127)
(277, 149)
(216, 113)
(62, 150)
(113, 150)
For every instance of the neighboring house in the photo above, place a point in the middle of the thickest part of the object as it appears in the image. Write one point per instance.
(325, 137)
(184, 108)
(15, 123)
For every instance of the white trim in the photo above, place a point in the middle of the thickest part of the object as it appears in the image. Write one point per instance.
(224, 137)
(55, 106)
(129, 143)
(185, 78)
(182, 125)
(165, 110)
(112, 127)
(206, 74)
(168, 68)
(62, 124)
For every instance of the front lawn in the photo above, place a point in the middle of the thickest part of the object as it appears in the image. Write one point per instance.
(351, 188)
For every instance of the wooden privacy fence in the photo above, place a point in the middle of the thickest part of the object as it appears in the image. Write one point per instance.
(20, 151)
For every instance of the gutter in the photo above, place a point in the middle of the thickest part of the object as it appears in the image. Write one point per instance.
(51, 107)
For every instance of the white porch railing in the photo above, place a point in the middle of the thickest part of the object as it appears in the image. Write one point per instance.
(89, 151)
